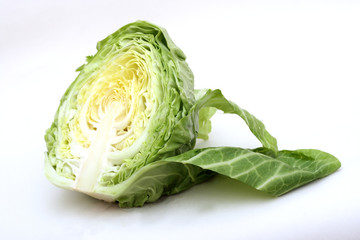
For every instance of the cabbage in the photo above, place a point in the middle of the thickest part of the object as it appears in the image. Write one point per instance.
(126, 128)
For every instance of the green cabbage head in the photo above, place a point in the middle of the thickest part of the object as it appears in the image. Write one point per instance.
(126, 128)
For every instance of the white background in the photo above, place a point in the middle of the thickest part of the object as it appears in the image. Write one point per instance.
(293, 64)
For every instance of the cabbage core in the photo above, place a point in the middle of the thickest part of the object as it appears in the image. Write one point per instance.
(113, 110)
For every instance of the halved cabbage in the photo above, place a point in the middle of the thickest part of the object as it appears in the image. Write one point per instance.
(125, 126)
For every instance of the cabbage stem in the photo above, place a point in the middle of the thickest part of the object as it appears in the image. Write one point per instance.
(92, 165)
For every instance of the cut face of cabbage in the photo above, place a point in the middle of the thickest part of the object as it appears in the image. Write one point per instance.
(105, 128)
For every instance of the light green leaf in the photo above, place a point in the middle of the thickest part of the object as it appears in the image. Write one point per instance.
(205, 114)
(214, 98)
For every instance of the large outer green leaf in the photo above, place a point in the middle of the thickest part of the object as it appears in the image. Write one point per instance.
(259, 168)
(275, 175)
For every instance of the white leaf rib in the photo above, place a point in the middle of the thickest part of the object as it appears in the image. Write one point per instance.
(249, 170)
(275, 176)
(228, 162)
